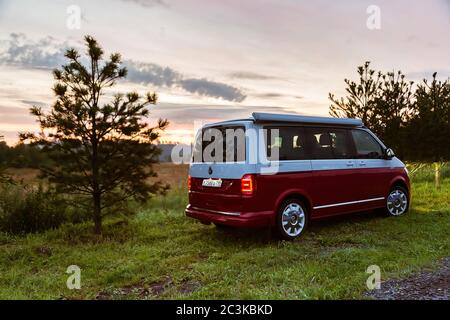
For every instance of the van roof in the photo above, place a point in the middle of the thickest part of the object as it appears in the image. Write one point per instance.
(291, 118)
(274, 117)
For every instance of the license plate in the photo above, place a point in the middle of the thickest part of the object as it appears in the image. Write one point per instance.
(214, 183)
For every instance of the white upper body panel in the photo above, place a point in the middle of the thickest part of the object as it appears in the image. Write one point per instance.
(255, 154)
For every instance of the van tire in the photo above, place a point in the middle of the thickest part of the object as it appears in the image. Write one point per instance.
(397, 202)
(292, 219)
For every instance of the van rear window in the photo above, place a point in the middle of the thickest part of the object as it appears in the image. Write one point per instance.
(220, 144)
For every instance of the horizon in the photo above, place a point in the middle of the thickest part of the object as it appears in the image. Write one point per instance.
(211, 61)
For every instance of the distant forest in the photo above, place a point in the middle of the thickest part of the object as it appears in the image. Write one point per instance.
(30, 156)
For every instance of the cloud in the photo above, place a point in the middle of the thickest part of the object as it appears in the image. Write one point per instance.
(250, 75)
(276, 95)
(15, 116)
(270, 95)
(186, 114)
(45, 53)
(442, 74)
(33, 103)
(150, 73)
(212, 89)
(148, 3)
(48, 53)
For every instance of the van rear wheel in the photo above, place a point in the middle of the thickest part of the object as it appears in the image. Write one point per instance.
(292, 219)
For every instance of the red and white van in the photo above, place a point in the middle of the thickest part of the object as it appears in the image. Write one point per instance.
(284, 170)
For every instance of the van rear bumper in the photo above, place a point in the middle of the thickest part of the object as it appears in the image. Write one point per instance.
(236, 219)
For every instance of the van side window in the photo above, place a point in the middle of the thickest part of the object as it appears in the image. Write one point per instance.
(329, 143)
(366, 146)
(285, 143)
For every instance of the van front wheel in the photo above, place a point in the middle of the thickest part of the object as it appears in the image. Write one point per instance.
(292, 219)
(397, 202)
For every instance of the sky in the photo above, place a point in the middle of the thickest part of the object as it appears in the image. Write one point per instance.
(211, 60)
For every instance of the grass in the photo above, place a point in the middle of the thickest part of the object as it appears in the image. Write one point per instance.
(161, 254)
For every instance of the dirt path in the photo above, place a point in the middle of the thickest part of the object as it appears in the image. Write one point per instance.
(425, 285)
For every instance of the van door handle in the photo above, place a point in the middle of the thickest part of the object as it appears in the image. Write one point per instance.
(362, 163)
(350, 164)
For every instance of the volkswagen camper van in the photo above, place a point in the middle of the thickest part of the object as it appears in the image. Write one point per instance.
(284, 170)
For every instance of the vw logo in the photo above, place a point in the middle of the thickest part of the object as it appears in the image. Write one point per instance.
(210, 170)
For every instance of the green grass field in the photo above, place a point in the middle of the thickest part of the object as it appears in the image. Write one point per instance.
(161, 254)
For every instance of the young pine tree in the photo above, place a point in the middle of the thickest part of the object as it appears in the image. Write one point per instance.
(429, 126)
(361, 95)
(101, 149)
(392, 108)
(382, 101)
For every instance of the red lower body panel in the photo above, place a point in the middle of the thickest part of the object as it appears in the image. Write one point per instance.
(238, 219)
(345, 209)
(324, 193)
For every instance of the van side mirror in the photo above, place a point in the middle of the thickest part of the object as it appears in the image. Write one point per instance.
(389, 154)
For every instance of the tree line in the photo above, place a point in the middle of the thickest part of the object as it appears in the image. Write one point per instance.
(22, 156)
(412, 119)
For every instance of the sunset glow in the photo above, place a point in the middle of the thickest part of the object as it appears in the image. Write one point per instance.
(216, 60)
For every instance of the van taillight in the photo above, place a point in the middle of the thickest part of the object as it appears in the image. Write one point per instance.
(248, 184)
(189, 183)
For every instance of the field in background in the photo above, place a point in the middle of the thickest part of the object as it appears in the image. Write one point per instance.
(160, 253)
(175, 175)
(23, 174)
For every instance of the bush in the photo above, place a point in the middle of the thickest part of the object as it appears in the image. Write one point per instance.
(425, 172)
(25, 209)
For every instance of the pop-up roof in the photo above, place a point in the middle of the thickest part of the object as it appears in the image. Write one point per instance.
(274, 117)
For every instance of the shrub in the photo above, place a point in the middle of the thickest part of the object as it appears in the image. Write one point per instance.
(25, 209)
